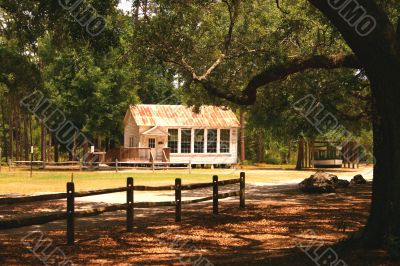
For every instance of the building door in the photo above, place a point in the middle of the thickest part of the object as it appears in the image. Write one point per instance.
(152, 146)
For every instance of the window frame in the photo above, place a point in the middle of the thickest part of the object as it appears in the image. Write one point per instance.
(176, 142)
(200, 149)
(131, 142)
(215, 141)
(186, 149)
(222, 143)
(150, 144)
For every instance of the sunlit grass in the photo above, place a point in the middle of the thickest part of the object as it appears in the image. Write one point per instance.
(20, 182)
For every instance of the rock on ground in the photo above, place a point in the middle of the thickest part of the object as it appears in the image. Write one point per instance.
(322, 182)
(358, 180)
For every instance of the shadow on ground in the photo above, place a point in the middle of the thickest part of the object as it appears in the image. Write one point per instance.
(276, 220)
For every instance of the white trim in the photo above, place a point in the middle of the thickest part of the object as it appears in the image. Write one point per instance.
(179, 140)
(147, 132)
(192, 140)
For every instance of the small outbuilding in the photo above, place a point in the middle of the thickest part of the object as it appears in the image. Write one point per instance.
(178, 134)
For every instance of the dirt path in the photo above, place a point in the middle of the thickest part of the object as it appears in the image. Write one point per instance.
(266, 233)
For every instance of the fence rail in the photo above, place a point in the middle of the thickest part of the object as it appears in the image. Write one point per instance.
(129, 206)
(106, 165)
(58, 196)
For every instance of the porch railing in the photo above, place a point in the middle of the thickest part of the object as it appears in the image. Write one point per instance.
(134, 155)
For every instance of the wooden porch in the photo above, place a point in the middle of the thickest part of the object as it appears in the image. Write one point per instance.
(138, 155)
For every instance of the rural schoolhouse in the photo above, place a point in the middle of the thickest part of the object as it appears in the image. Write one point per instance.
(177, 134)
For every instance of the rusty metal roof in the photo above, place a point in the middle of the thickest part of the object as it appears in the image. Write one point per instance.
(182, 116)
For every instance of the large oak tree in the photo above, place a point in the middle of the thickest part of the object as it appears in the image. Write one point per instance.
(378, 54)
(373, 50)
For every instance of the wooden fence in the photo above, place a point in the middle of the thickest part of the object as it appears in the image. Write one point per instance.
(129, 206)
(91, 166)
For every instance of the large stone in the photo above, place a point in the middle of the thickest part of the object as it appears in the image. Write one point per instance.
(319, 182)
(322, 182)
(358, 180)
(339, 183)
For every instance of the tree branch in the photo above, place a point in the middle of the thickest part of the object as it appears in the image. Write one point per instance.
(208, 71)
(279, 7)
(398, 30)
(280, 72)
(343, 115)
(233, 10)
(233, 14)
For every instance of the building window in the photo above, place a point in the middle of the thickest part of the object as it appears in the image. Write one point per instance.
(131, 142)
(152, 143)
(186, 140)
(211, 141)
(199, 141)
(173, 140)
(225, 139)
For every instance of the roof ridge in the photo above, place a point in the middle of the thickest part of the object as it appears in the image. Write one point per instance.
(181, 115)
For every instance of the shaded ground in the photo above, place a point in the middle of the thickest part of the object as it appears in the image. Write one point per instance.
(277, 219)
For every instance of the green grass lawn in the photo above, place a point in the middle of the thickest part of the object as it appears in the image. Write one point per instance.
(20, 182)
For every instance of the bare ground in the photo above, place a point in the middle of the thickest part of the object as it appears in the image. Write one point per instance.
(276, 221)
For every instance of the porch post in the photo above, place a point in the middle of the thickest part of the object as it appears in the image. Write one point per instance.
(218, 139)
(179, 140)
(192, 141)
(204, 140)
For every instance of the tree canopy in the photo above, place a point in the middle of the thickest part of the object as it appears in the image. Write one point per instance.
(255, 56)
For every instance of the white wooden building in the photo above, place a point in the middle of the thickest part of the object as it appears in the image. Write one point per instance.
(176, 134)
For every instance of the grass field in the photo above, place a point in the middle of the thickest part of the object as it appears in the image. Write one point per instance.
(20, 182)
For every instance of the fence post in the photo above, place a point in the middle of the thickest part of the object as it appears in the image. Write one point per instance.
(178, 199)
(116, 165)
(242, 190)
(129, 205)
(190, 166)
(70, 213)
(215, 194)
(9, 165)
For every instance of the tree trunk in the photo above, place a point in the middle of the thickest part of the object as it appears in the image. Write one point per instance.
(49, 145)
(74, 148)
(260, 147)
(17, 129)
(5, 144)
(300, 154)
(305, 156)
(56, 155)
(99, 143)
(30, 131)
(311, 154)
(289, 153)
(43, 142)
(10, 135)
(384, 220)
(242, 137)
(145, 3)
(21, 147)
(26, 138)
(136, 4)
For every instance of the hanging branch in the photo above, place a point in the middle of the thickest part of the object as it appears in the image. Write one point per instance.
(279, 7)
(279, 72)
(233, 9)
(398, 32)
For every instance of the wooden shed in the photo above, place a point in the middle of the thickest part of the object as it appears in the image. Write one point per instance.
(177, 134)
